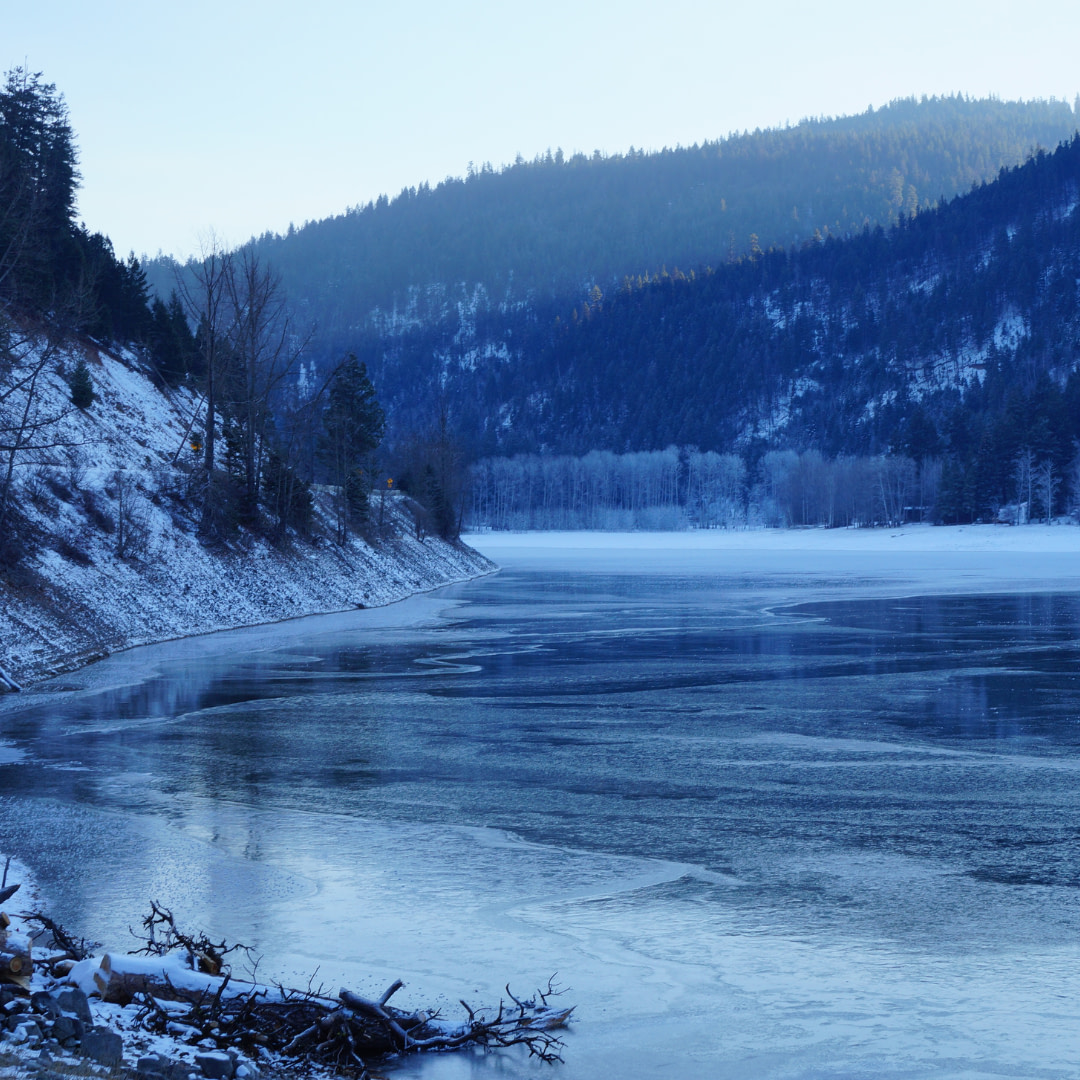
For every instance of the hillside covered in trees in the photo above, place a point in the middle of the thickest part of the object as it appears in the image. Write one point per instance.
(900, 283)
(951, 336)
(558, 225)
(225, 350)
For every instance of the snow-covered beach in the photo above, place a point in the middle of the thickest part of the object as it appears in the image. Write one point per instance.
(1023, 538)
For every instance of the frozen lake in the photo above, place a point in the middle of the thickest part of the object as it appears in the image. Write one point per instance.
(769, 812)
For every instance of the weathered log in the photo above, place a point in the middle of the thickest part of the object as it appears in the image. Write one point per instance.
(16, 962)
(124, 987)
(128, 979)
(12, 963)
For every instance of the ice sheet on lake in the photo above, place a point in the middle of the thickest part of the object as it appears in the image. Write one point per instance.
(873, 806)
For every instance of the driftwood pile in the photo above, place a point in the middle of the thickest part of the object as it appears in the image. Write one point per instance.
(185, 990)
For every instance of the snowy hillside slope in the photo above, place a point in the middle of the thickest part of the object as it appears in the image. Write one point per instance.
(121, 474)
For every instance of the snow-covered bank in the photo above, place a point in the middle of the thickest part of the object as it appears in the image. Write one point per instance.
(115, 560)
(926, 558)
(71, 615)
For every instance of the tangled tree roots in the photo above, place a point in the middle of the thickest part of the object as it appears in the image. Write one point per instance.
(192, 996)
(351, 1032)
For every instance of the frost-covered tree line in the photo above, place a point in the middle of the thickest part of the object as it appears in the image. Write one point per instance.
(684, 488)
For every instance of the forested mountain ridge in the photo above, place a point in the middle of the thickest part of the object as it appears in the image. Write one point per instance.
(947, 334)
(556, 225)
(953, 335)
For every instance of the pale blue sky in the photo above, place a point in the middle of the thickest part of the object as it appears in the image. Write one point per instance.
(242, 117)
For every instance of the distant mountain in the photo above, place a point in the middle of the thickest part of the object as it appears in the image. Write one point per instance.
(556, 226)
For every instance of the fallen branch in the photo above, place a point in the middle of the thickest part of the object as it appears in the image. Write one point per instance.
(8, 891)
(75, 948)
(203, 954)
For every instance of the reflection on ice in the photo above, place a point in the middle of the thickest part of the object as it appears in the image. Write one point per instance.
(10, 754)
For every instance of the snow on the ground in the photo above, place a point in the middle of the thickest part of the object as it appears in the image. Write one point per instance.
(913, 558)
(76, 598)
(1030, 539)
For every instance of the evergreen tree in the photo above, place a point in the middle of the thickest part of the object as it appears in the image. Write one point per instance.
(81, 385)
(287, 495)
(353, 427)
(48, 263)
(38, 177)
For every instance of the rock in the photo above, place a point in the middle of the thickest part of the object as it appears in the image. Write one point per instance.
(27, 1034)
(103, 1046)
(156, 1067)
(215, 1065)
(67, 1027)
(45, 1004)
(73, 1000)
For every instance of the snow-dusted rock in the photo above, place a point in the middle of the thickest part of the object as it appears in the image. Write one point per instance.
(103, 1046)
(215, 1065)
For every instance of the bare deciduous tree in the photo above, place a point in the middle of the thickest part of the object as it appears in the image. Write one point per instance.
(29, 430)
(248, 348)
(1024, 476)
(132, 518)
(264, 351)
(204, 292)
(1047, 483)
(1074, 483)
